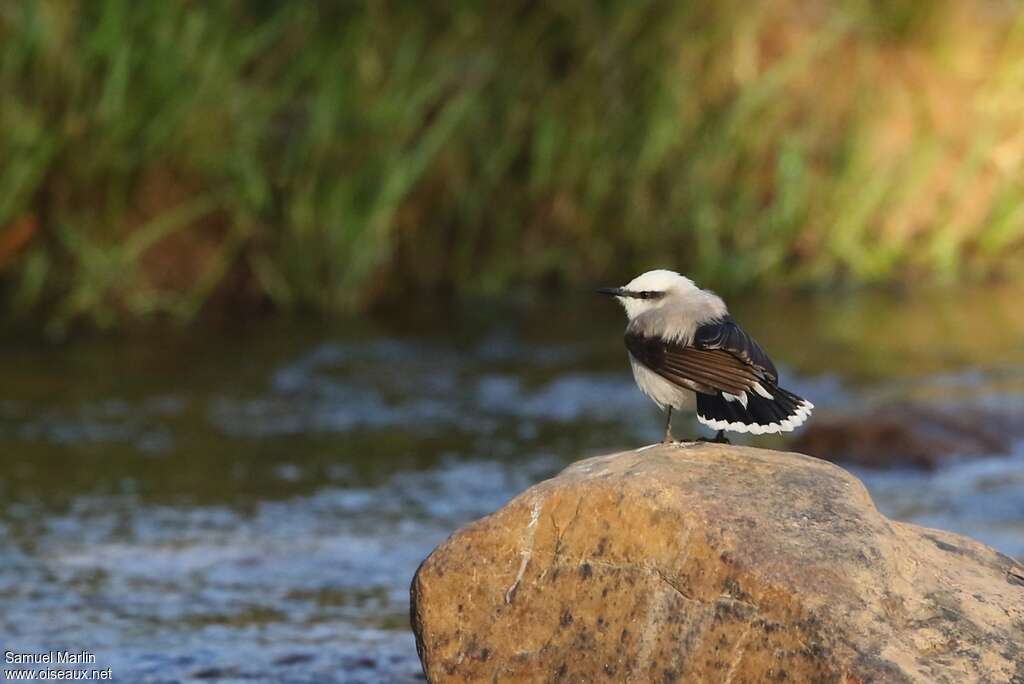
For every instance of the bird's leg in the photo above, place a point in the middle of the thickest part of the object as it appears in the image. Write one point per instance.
(668, 428)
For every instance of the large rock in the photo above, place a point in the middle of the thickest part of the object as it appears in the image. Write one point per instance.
(707, 563)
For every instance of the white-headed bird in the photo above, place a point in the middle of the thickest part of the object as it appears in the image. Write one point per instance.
(687, 352)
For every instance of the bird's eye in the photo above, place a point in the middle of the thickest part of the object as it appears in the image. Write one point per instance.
(647, 294)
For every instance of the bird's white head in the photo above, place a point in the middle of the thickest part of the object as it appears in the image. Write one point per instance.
(650, 290)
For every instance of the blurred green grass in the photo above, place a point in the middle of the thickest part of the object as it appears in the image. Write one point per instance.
(162, 159)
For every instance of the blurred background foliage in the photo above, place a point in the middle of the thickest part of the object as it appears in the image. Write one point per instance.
(171, 158)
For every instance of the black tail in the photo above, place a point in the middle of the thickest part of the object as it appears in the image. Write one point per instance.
(782, 413)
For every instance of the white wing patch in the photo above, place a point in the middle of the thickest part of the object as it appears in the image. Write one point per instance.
(741, 397)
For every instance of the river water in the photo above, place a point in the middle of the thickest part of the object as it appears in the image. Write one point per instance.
(249, 504)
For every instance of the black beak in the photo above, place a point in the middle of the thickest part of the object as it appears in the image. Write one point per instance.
(613, 291)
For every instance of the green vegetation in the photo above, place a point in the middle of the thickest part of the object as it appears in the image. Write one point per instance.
(161, 158)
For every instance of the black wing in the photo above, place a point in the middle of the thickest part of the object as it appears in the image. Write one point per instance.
(701, 370)
(728, 336)
(722, 358)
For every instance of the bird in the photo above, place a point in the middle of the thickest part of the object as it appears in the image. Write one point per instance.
(687, 352)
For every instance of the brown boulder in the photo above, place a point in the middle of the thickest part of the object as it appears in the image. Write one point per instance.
(711, 563)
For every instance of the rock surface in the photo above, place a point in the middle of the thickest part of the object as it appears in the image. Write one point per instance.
(713, 563)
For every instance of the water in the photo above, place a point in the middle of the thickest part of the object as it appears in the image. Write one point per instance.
(250, 504)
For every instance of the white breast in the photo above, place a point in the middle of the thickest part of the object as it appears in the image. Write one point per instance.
(663, 392)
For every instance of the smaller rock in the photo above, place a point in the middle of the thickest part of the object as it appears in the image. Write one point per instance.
(913, 436)
(216, 672)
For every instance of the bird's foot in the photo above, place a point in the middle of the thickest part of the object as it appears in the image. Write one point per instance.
(720, 438)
